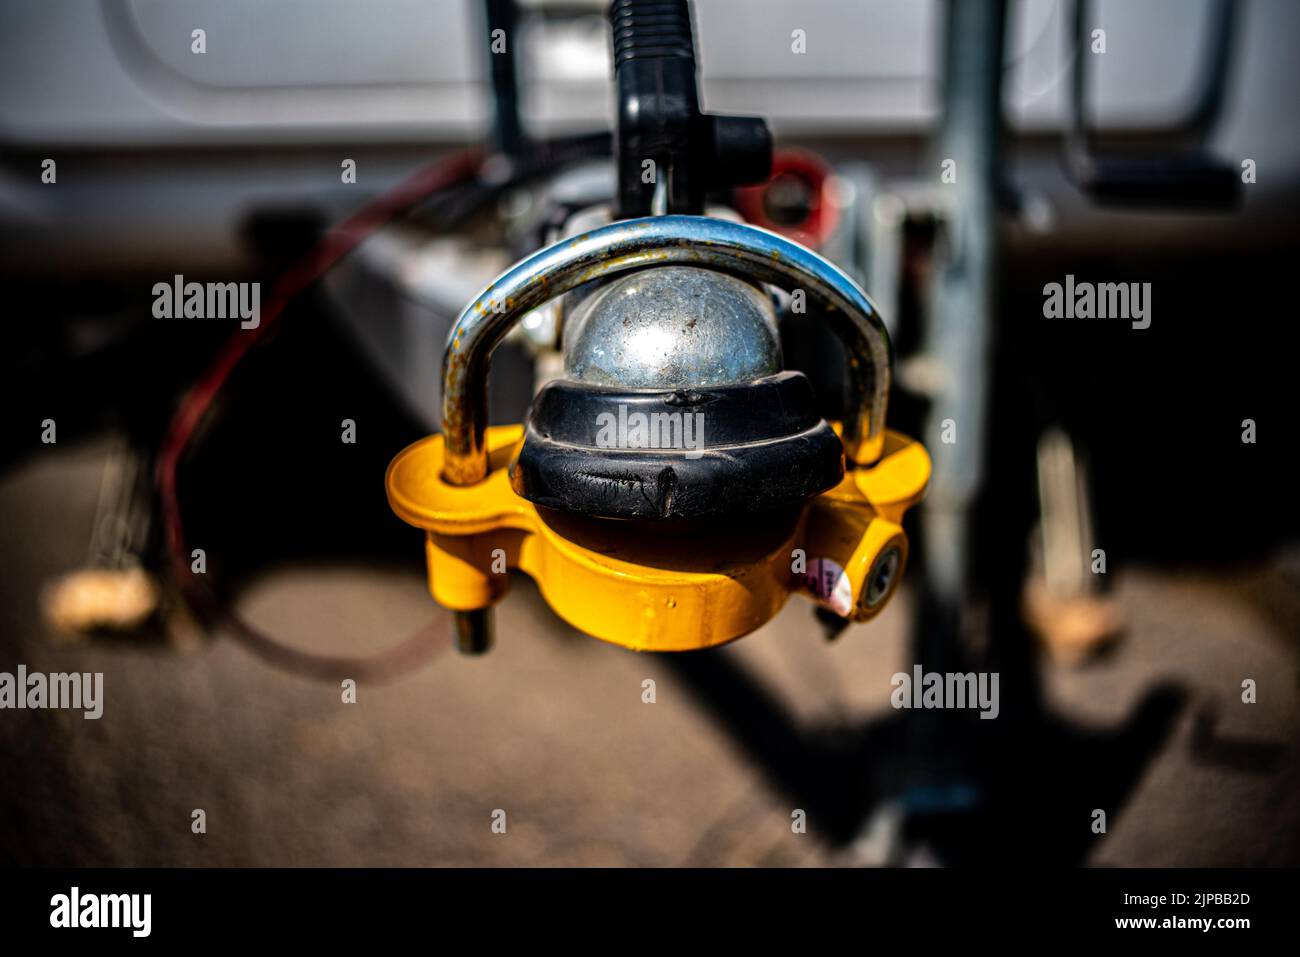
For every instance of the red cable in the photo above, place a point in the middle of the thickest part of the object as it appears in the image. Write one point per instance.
(336, 244)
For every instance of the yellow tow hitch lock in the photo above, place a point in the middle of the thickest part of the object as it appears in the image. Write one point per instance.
(641, 570)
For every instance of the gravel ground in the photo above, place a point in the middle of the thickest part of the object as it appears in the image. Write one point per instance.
(551, 727)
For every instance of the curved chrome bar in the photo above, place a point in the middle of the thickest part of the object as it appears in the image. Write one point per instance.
(744, 251)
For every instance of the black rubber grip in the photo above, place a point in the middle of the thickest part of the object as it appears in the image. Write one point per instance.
(651, 30)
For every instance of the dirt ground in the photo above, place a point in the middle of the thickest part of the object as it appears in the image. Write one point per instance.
(551, 727)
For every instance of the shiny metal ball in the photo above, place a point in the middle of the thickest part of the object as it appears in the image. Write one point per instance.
(672, 327)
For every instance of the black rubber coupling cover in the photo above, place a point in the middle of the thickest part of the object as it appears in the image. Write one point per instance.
(712, 452)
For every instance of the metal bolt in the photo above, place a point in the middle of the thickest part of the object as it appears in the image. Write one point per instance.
(883, 573)
(473, 630)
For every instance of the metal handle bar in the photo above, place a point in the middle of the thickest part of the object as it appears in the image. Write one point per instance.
(741, 250)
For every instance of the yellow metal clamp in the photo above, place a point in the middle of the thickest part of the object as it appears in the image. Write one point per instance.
(659, 586)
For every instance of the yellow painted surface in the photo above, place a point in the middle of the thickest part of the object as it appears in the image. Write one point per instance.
(653, 586)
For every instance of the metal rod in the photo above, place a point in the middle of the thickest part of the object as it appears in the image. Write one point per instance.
(961, 326)
(507, 132)
(473, 630)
